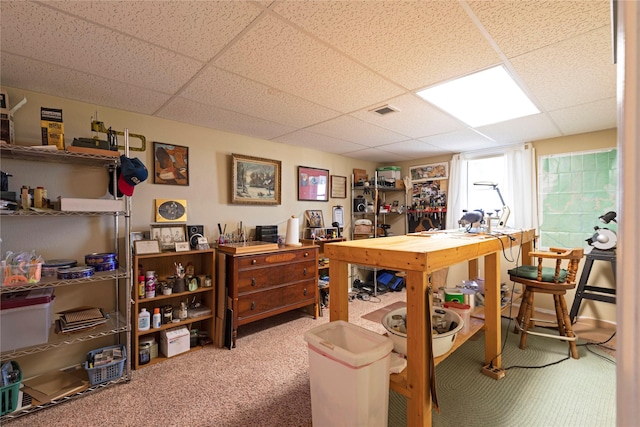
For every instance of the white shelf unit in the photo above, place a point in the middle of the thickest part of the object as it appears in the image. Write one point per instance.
(117, 329)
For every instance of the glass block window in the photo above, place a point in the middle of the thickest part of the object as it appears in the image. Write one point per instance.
(574, 190)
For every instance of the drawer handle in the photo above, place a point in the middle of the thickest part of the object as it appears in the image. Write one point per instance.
(253, 281)
(306, 254)
(254, 261)
(304, 292)
(304, 271)
(253, 305)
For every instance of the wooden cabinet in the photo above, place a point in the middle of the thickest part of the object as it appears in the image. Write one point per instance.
(163, 264)
(263, 284)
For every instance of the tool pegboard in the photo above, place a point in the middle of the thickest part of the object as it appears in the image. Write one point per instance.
(428, 206)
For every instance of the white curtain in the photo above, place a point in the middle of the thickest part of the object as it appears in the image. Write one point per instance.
(522, 189)
(457, 192)
(519, 189)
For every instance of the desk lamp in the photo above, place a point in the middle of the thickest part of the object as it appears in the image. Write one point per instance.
(504, 216)
(603, 238)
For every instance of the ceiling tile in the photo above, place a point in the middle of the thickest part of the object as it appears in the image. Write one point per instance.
(36, 76)
(571, 72)
(235, 93)
(589, 117)
(198, 29)
(523, 26)
(186, 111)
(298, 64)
(414, 149)
(414, 43)
(524, 129)
(36, 31)
(376, 155)
(355, 130)
(460, 141)
(304, 138)
(414, 118)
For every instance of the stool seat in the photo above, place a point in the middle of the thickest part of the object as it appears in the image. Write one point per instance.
(546, 280)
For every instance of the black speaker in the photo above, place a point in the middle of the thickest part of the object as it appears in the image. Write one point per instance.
(195, 231)
(359, 204)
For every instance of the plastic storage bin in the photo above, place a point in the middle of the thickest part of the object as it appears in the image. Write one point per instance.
(10, 392)
(349, 375)
(26, 318)
(109, 372)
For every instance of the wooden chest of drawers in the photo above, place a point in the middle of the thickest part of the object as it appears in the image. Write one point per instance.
(263, 284)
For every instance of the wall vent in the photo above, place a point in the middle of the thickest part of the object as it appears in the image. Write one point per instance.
(384, 109)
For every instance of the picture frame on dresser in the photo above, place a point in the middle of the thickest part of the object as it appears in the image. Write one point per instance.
(255, 181)
(313, 184)
(168, 235)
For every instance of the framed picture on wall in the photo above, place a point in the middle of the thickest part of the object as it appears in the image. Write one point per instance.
(338, 187)
(171, 165)
(429, 172)
(255, 181)
(313, 184)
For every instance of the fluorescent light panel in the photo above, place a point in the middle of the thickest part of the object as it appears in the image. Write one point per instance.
(483, 98)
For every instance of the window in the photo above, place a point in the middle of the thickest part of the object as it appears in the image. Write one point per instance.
(482, 197)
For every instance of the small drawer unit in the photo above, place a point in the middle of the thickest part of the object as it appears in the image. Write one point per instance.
(263, 284)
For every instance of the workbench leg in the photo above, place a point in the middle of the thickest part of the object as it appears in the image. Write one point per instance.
(339, 290)
(418, 359)
(492, 302)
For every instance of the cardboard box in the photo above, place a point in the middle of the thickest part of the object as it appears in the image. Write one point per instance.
(363, 229)
(52, 127)
(360, 175)
(70, 204)
(174, 341)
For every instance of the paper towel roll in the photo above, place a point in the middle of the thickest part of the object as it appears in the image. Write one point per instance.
(293, 234)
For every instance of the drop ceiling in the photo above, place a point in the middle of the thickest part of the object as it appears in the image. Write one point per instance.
(312, 73)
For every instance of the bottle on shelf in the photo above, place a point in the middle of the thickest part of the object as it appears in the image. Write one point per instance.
(144, 320)
(141, 287)
(157, 318)
(150, 286)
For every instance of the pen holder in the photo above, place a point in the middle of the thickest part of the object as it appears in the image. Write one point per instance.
(178, 285)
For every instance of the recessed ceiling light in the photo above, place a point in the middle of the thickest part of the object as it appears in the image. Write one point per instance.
(483, 98)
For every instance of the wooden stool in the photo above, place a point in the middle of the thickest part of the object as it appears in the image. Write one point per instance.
(547, 280)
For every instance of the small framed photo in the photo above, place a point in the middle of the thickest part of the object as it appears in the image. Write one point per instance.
(142, 247)
(171, 210)
(169, 235)
(314, 218)
(313, 184)
(183, 246)
(338, 187)
(171, 165)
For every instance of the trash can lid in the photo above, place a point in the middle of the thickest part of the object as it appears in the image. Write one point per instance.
(348, 343)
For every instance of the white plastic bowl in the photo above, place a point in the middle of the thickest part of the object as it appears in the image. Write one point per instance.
(441, 342)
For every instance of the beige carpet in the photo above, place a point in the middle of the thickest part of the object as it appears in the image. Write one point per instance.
(264, 381)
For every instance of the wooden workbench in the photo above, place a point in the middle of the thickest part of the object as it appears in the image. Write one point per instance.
(420, 254)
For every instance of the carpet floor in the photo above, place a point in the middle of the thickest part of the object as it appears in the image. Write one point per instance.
(264, 382)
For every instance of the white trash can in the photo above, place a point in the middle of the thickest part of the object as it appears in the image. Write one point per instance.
(349, 375)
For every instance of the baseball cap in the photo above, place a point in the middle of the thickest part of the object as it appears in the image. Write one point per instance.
(132, 173)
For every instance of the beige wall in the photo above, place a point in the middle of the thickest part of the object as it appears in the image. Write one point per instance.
(207, 195)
